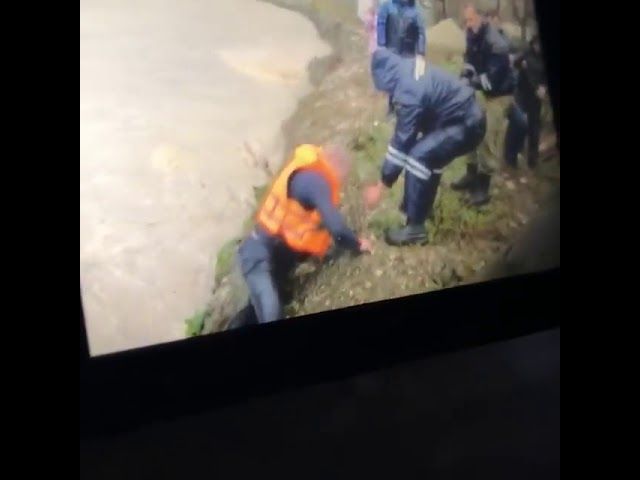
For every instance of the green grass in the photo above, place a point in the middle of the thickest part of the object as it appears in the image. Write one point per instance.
(454, 219)
(369, 148)
(452, 64)
(195, 324)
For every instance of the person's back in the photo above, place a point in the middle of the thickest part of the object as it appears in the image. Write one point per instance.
(401, 28)
(438, 96)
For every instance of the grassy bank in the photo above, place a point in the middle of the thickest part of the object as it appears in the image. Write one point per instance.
(344, 107)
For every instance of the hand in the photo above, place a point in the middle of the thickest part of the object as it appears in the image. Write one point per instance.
(541, 92)
(365, 245)
(468, 71)
(420, 67)
(485, 83)
(373, 195)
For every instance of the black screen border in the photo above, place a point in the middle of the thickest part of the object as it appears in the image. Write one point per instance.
(121, 391)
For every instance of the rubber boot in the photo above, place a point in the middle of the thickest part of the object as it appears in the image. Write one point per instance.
(246, 316)
(407, 235)
(466, 182)
(480, 192)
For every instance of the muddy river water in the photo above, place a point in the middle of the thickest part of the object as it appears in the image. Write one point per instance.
(169, 93)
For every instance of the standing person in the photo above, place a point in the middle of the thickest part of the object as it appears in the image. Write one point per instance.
(370, 25)
(524, 115)
(400, 28)
(488, 70)
(438, 119)
(298, 218)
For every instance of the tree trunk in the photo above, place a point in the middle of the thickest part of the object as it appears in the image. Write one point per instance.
(520, 14)
(525, 18)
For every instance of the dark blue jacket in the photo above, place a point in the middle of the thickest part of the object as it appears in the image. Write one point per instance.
(531, 75)
(434, 101)
(488, 53)
(400, 27)
(313, 193)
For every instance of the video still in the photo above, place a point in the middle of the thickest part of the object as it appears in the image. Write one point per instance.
(248, 161)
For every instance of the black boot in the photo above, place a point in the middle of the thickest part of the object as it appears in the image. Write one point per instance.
(246, 316)
(467, 181)
(480, 192)
(407, 235)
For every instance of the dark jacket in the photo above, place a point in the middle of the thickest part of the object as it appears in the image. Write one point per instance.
(436, 100)
(400, 27)
(488, 53)
(531, 75)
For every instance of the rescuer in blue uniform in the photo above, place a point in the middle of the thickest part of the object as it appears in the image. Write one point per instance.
(438, 119)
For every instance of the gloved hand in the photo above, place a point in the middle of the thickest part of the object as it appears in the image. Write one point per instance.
(485, 84)
(420, 67)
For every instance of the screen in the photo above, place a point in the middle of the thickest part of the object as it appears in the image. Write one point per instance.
(244, 161)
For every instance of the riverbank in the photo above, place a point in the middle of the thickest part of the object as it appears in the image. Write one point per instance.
(169, 95)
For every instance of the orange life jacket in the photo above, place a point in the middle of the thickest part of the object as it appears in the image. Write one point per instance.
(286, 218)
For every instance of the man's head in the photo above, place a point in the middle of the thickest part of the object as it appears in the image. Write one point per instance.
(338, 157)
(494, 18)
(472, 18)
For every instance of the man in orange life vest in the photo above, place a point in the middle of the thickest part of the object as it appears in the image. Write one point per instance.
(298, 218)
